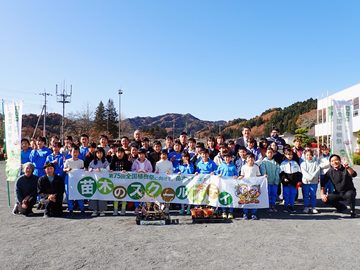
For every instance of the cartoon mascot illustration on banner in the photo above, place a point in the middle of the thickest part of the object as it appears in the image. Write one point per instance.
(247, 194)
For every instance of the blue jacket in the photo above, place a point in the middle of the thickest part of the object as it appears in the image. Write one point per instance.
(185, 169)
(206, 168)
(59, 166)
(38, 158)
(177, 159)
(25, 156)
(83, 152)
(227, 169)
(239, 163)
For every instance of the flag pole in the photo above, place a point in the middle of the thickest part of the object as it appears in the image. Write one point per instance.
(7, 182)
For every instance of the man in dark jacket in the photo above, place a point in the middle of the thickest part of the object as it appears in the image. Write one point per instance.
(51, 189)
(342, 178)
(274, 137)
(26, 191)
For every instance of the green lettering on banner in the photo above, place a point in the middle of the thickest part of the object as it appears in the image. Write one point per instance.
(181, 192)
(136, 191)
(105, 186)
(225, 198)
(153, 189)
(87, 186)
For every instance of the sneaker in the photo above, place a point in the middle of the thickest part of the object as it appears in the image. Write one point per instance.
(116, 212)
(45, 216)
(181, 212)
(95, 214)
(352, 214)
(30, 214)
(254, 217)
(123, 212)
(224, 216)
(15, 211)
(341, 209)
(306, 210)
(292, 209)
(314, 211)
(245, 217)
(102, 214)
(230, 216)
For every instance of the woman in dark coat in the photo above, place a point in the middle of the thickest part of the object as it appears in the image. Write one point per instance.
(51, 189)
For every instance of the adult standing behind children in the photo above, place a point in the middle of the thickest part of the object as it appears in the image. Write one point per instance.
(242, 141)
(137, 139)
(342, 178)
(274, 137)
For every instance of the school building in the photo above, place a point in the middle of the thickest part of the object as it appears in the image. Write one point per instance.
(324, 108)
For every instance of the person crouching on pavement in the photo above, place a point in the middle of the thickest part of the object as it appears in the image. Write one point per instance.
(341, 176)
(26, 191)
(51, 188)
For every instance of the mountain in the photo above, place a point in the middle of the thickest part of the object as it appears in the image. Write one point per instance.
(301, 114)
(173, 121)
(298, 115)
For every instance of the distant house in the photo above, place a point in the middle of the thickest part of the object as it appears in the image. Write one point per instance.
(289, 138)
(324, 108)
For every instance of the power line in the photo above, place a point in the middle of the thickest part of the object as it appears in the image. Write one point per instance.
(63, 97)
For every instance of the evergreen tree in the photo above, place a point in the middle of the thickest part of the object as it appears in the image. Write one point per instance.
(111, 119)
(100, 118)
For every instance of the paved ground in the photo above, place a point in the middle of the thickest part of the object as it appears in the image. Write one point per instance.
(278, 241)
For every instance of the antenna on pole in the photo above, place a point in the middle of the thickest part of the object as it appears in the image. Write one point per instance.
(63, 96)
(44, 94)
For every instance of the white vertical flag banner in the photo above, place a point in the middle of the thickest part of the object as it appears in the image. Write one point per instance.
(13, 117)
(342, 136)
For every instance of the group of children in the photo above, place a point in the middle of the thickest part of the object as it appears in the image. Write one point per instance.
(294, 168)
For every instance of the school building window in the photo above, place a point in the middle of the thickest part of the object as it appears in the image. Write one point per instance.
(320, 116)
(356, 106)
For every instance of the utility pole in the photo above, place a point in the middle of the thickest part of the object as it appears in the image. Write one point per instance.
(120, 93)
(63, 97)
(44, 94)
(174, 129)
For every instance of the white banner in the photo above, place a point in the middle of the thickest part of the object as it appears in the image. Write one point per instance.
(185, 189)
(13, 117)
(342, 137)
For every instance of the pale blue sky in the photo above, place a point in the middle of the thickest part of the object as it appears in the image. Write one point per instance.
(217, 60)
